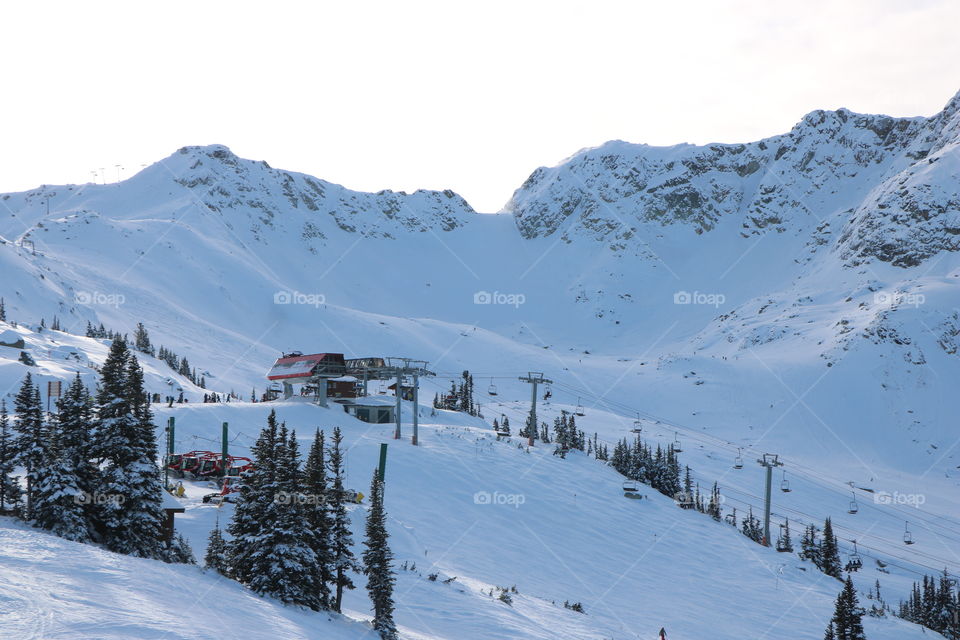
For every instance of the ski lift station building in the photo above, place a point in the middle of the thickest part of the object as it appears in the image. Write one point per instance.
(315, 369)
(376, 409)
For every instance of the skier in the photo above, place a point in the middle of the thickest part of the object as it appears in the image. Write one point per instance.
(663, 634)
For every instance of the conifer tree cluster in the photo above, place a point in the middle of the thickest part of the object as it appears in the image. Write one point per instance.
(751, 527)
(142, 343)
(830, 552)
(290, 533)
(932, 603)
(785, 543)
(141, 340)
(460, 397)
(91, 470)
(566, 435)
(824, 554)
(102, 332)
(660, 469)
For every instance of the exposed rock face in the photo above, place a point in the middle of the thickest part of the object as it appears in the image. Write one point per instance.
(894, 178)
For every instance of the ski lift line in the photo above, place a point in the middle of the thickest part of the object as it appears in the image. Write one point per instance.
(859, 541)
(804, 517)
(833, 490)
(811, 475)
(800, 470)
(814, 477)
(856, 535)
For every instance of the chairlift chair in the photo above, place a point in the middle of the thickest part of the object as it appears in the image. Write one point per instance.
(907, 536)
(637, 425)
(785, 484)
(854, 562)
(629, 486)
(492, 389)
(854, 507)
(738, 461)
(579, 410)
(675, 446)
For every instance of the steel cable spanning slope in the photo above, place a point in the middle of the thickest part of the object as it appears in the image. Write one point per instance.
(942, 527)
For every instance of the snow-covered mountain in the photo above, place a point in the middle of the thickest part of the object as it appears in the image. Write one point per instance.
(796, 294)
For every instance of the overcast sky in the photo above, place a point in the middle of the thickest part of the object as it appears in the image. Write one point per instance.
(472, 97)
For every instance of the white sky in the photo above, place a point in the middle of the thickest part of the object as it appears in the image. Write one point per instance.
(474, 97)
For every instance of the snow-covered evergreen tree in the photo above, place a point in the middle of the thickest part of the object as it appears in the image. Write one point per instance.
(378, 563)
(141, 340)
(847, 621)
(713, 507)
(341, 538)
(830, 554)
(9, 485)
(216, 556)
(284, 563)
(809, 547)
(73, 427)
(58, 502)
(260, 489)
(31, 438)
(318, 516)
(129, 500)
(786, 542)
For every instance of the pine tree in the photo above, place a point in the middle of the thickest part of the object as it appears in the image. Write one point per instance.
(58, 503)
(318, 517)
(285, 564)
(32, 436)
(260, 489)
(830, 635)
(141, 340)
(713, 508)
(3, 311)
(74, 424)
(809, 547)
(786, 543)
(829, 553)
(847, 619)
(130, 513)
(341, 538)
(9, 485)
(216, 555)
(377, 563)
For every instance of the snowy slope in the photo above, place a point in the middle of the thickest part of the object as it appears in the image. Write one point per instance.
(556, 529)
(52, 588)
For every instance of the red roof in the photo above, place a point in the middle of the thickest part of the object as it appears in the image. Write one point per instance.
(294, 366)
